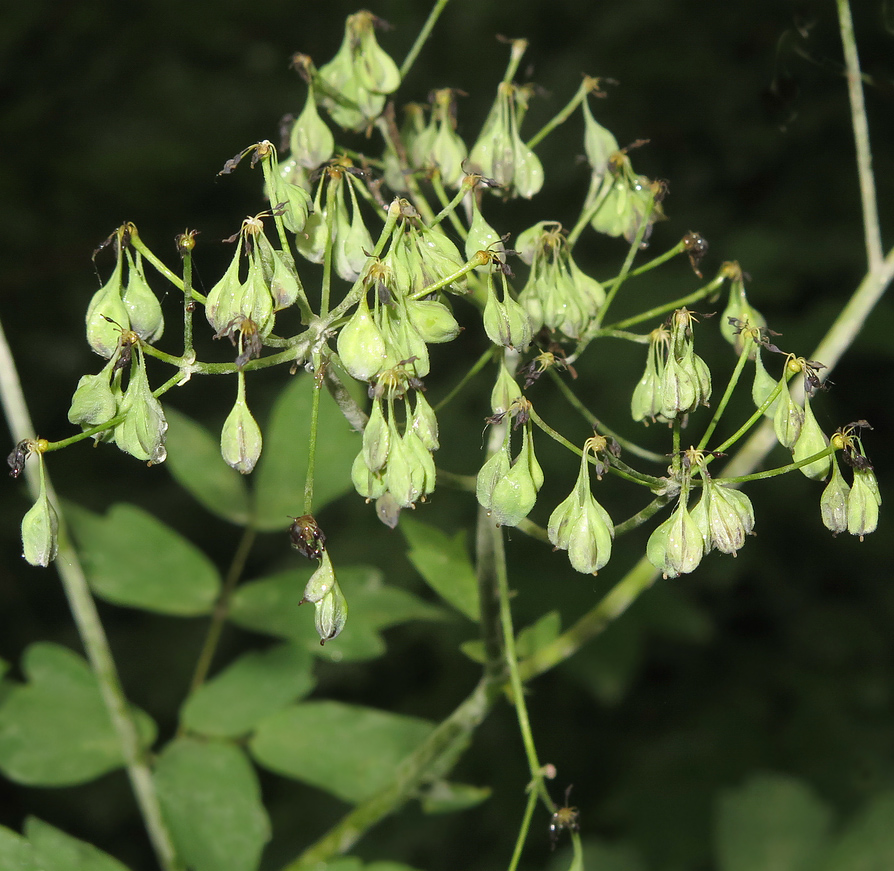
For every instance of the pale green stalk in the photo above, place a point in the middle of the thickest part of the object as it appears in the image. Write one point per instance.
(90, 629)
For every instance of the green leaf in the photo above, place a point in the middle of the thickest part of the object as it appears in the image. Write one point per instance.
(210, 797)
(772, 823)
(444, 797)
(54, 850)
(349, 751)
(867, 844)
(444, 564)
(195, 462)
(539, 634)
(279, 476)
(16, 853)
(54, 730)
(133, 559)
(270, 605)
(253, 687)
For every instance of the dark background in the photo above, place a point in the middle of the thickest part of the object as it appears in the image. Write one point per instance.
(780, 660)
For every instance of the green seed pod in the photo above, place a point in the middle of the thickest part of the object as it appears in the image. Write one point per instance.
(438, 145)
(676, 547)
(788, 418)
(330, 614)
(739, 309)
(834, 502)
(353, 244)
(505, 391)
(599, 143)
(94, 401)
(311, 141)
(370, 485)
(256, 303)
(482, 237)
(646, 401)
(762, 386)
(590, 538)
(376, 438)
(40, 526)
(423, 470)
(222, 304)
(562, 520)
(404, 478)
(615, 215)
(432, 320)
(495, 468)
(143, 307)
(506, 322)
(294, 201)
(340, 78)
(374, 68)
(679, 390)
(321, 582)
(285, 286)
(102, 335)
(142, 432)
(528, 176)
(311, 241)
(527, 455)
(514, 495)
(425, 423)
(493, 154)
(811, 440)
(863, 503)
(724, 516)
(240, 438)
(360, 344)
(588, 290)
(438, 257)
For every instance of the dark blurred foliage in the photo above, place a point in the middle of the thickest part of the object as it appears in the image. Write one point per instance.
(781, 659)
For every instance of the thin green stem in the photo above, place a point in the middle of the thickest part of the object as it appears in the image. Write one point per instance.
(659, 310)
(175, 279)
(91, 631)
(628, 262)
(641, 516)
(679, 248)
(561, 116)
(448, 206)
(312, 440)
(221, 610)
(616, 466)
(424, 34)
(779, 470)
(596, 423)
(871, 228)
(477, 366)
(601, 193)
(524, 829)
(515, 681)
(724, 401)
(474, 263)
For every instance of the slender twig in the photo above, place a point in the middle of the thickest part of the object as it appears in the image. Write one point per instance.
(871, 229)
(427, 28)
(91, 631)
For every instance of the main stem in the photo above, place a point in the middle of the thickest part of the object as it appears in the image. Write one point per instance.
(91, 631)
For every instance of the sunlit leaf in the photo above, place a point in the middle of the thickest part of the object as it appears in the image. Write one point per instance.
(773, 822)
(54, 729)
(16, 852)
(56, 850)
(867, 843)
(195, 462)
(270, 605)
(347, 750)
(133, 559)
(210, 797)
(280, 474)
(253, 687)
(444, 564)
